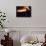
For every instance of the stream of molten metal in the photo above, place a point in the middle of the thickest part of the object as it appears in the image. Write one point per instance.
(24, 9)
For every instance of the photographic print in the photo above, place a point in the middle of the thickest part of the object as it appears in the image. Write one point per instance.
(23, 11)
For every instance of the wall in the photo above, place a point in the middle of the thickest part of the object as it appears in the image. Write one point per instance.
(38, 18)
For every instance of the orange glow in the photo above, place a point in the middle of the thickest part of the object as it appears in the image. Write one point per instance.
(21, 10)
(24, 9)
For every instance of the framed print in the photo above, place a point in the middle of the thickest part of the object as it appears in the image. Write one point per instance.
(23, 11)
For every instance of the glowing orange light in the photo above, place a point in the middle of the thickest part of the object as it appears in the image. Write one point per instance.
(24, 9)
